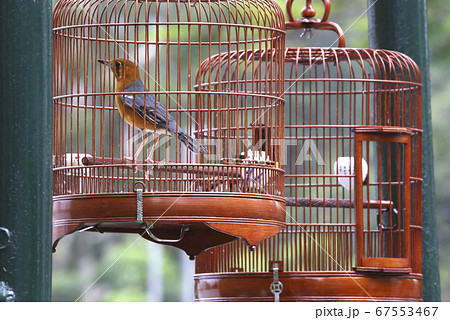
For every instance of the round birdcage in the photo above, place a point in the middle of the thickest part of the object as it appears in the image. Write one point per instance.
(168, 120)
(352, 185)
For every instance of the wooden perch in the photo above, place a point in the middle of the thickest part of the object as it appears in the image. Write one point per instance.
(167, 167)
(90, 160)
(334, 203)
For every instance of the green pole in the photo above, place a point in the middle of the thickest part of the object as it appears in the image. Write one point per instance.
(26, 150)
(401, 25)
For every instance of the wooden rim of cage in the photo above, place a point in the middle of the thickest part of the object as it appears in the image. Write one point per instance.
(89, 197)
(309, 286)
(253, 179)
(308, 21)
(235, 216)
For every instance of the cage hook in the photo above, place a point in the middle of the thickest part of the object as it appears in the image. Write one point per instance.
(94, 227)
(5, 237)
(309, 22)
(307, 33)
(183, 230)
(387, 219)
(308, 12)
(141, 183)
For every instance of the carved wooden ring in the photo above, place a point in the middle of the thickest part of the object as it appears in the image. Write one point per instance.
(308, 12)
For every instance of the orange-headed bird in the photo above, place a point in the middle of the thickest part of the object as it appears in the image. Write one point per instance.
(142, 109)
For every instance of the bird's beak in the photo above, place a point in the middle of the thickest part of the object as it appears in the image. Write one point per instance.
(105, 62)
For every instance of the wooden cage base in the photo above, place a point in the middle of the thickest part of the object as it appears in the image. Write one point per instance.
(197, 221)
(308, 286)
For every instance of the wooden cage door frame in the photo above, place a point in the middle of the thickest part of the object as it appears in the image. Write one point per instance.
(383, 134)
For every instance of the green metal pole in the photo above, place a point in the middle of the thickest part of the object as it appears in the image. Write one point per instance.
(26, 150)
(401, 25)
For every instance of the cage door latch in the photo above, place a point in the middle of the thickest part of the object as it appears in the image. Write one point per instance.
(276, 287)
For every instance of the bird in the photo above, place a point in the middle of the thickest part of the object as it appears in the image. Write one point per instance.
(143, 110)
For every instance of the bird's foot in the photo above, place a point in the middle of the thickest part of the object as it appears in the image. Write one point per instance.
(148, 168)
(136, 167)
(149, 161)
(133, 161)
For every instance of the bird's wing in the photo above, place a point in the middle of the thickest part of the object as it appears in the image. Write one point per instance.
(145, 105)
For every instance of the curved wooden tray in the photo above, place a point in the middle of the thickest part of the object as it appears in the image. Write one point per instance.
(211, 219)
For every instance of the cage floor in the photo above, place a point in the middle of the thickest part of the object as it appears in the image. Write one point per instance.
(192, 222)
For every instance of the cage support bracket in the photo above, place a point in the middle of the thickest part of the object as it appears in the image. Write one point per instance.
(147, 228)
(139, 201)
(140, 205)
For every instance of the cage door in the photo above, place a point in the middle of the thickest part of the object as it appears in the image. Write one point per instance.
(383, 230)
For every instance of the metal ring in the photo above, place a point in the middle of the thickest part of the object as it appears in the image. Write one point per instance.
(4, 244)
(276, 287)
(141, 183)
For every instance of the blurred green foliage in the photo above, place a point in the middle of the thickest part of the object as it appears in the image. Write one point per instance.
(111, 267)
(108, 267)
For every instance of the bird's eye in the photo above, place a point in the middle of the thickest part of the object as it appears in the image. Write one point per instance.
(118, 64)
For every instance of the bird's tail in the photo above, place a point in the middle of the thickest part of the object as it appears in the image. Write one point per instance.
(190, 142)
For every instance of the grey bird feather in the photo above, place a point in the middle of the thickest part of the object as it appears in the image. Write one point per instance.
(145, 106)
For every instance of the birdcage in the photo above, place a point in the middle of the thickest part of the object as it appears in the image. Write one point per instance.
(168, 120)
(352, 185)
